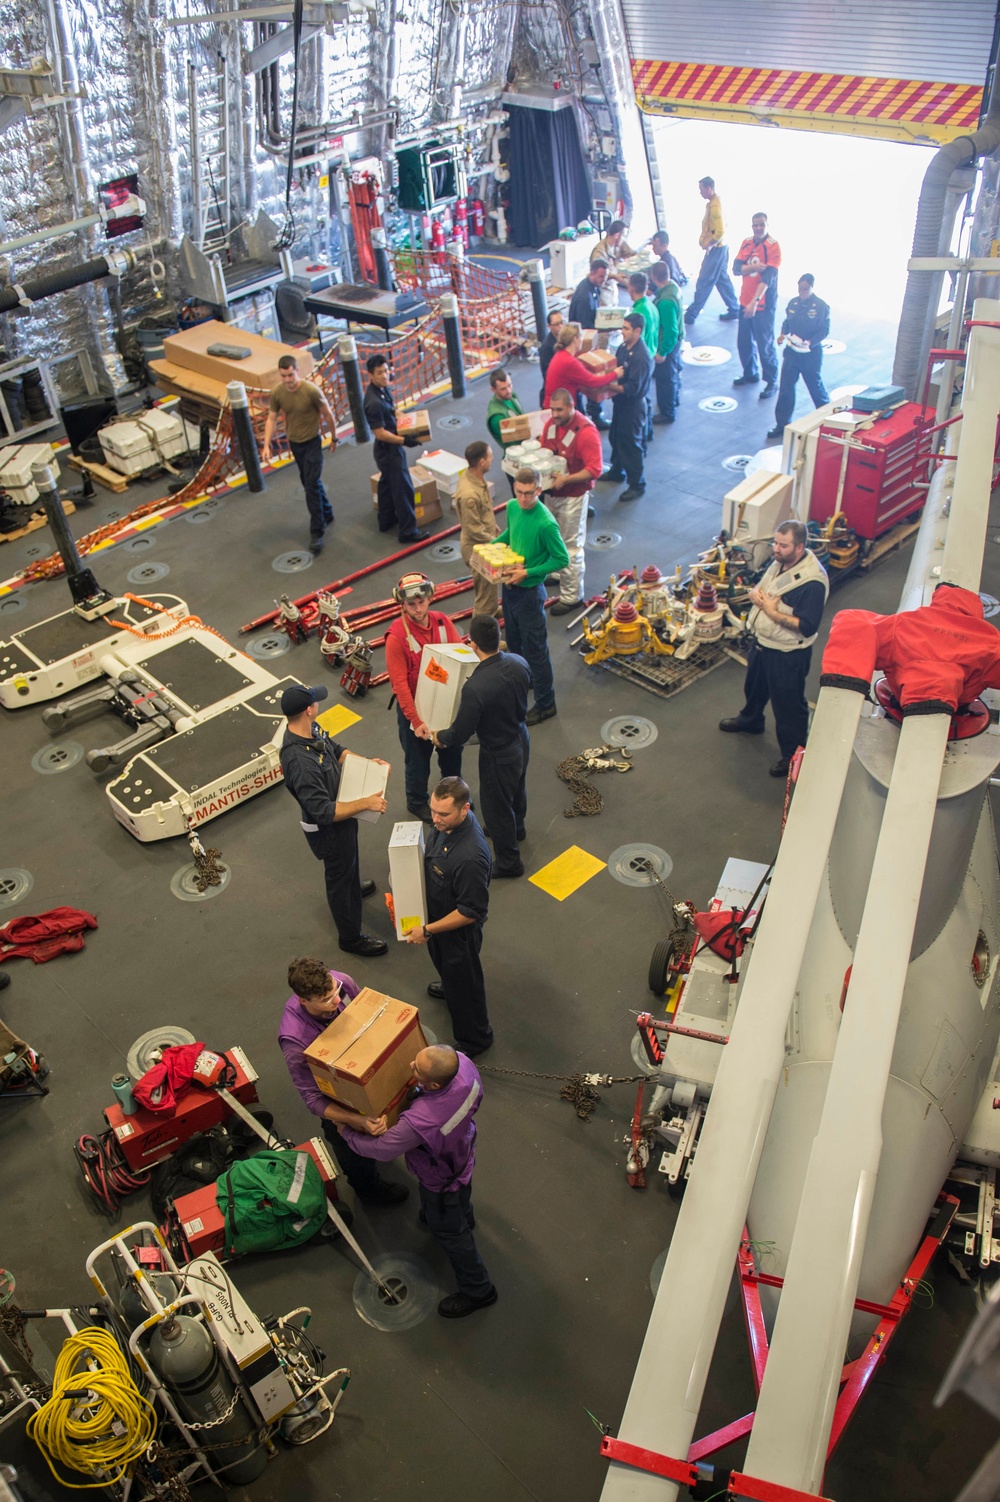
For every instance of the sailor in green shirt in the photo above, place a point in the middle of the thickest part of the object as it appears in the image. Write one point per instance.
(638, 285)
(503, 403)
(533, 532)
(667, 360)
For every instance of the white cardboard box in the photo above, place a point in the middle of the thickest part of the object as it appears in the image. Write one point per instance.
(444, 667)
(359, 778)
(406, 876)
(445, 468)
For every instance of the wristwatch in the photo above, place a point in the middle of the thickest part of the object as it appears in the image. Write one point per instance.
(425, 930)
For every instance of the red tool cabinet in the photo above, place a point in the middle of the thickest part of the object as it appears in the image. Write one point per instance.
(869, 474)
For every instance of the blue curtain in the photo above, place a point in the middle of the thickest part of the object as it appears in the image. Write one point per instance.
(549, 186)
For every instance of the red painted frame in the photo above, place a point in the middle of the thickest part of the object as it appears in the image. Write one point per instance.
(855, 1375)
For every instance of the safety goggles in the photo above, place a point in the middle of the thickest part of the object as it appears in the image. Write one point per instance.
(416, 590)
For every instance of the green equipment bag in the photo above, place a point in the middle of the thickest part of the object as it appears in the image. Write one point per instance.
(270, 1201)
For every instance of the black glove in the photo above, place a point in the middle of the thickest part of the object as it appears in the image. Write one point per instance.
(412, 441)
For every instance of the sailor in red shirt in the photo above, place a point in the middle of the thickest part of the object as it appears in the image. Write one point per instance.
(565, 370)
(569, 433)
(757, 262)
(418, 625)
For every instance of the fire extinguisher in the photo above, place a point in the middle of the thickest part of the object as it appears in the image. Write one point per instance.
(438, 242)
(477, 218)
(461, 231)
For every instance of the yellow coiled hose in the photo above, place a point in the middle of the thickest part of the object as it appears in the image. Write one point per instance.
(102, 1434)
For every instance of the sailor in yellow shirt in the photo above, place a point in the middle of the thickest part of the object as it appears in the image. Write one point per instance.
(714, 268)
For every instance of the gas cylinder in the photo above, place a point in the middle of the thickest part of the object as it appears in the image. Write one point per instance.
(186, 1358)
(477, 218)
(461, 231)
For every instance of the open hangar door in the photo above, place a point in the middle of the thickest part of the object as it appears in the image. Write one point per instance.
(824, 117)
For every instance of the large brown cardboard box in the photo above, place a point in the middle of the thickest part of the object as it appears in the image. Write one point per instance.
(426, 502)
(363, 1058)
(177, 380)
(259, 370)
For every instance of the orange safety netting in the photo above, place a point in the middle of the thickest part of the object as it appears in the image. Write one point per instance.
(489, 302)
(492, 328)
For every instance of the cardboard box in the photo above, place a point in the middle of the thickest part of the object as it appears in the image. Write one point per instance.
(444, 667)
(362, 1060)
(175, 380)
(600, 361)
(416, 422)
(515, 429)
(443, 467)
(359, 778)
(259, 370)
(406, 876)
(426, 502)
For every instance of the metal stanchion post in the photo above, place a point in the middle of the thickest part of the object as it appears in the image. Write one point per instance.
(347, 349)
(536, 280)
(453, 342)
(239, 406)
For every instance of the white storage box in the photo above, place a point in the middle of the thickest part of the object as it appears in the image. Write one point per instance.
(445, 468)
(444, 667)
(143, 442)
(570, 260)
(359, 778)
(15, 470)
(609, 318)
(406, 876)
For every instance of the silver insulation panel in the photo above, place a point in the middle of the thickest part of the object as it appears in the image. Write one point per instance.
(428, 58)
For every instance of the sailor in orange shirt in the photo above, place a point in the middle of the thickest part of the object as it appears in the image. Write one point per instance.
(757, 262)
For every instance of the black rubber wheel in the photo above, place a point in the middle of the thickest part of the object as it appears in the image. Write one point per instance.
(659, 967)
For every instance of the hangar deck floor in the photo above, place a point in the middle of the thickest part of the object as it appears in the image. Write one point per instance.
(495, 1407)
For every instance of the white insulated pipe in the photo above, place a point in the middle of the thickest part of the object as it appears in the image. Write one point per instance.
(966, 540)
(662, 1408)
(791, 1430)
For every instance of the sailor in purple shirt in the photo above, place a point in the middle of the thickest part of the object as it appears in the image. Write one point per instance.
(437, 1135)
(320, 995)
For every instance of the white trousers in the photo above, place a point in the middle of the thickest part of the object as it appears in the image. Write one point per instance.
(570, 513)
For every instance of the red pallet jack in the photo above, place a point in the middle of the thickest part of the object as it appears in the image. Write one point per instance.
(855, 1377)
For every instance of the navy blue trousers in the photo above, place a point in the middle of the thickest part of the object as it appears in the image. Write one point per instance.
(309, 461)
(527, 635)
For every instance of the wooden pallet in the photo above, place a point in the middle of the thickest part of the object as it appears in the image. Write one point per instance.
(102, 473)
(36, 520)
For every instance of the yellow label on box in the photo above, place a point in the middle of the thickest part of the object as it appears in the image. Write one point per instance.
(407, 923)
(339, 718)
(569, 871)
(326, 1087)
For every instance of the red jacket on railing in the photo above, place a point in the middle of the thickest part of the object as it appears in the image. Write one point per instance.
(935, 658)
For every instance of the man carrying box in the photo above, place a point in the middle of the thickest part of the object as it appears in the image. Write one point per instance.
(319, 996)
(503, 403)
(437, 1133)
(492, 708)
(310, 764)
(533, 532)
(417, 627)
(474, 505)
(457, 866)
(395, 488)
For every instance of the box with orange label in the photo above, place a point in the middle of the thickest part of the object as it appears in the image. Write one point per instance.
(444, 667)
(417, 423)
(362, 1059)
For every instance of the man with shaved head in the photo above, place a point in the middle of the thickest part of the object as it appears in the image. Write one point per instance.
(437, 1135)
